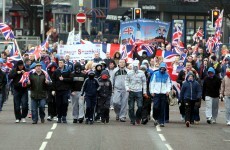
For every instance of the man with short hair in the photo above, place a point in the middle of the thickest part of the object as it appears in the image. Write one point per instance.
(37, 83)
(62, 82)
(97, 58)
(68, 63)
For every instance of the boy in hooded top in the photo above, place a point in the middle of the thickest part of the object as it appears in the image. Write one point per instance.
(211, 91)
(190, 94)
(104, 96)
(160, 86)
(89, 89)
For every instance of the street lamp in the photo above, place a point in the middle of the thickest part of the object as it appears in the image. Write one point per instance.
(43, 21)
(3, 10)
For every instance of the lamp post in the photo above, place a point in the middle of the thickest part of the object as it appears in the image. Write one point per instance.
(43, 20)
(3, 10)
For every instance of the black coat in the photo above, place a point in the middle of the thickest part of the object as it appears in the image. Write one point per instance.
(63, 85)
(16, 78)
(78, 80)
(211, 87)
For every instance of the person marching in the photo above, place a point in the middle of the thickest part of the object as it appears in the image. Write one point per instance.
(38, 86)
(190, 93)
(89, 89)
(104, 96)
(77, 103)
(160, 86)
(135, 83)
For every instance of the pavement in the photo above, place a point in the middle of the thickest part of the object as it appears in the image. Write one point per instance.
(113, 136)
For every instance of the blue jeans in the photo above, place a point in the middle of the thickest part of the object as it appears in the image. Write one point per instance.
(35, 104)
(159, 104)
(20, 100)
(135, 96)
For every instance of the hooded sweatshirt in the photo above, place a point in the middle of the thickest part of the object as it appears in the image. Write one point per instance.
(211, 85)
(106, 85)
(191, 90)
(77, 77)
(160, 83)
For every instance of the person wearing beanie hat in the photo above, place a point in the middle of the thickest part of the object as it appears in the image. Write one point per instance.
(211, 95)
(160, 86)
(145, 54)
(225, 92)
(135, 84)
(89, 90)
(20, 93)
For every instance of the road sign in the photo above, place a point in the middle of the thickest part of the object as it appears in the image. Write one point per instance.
(81, 17)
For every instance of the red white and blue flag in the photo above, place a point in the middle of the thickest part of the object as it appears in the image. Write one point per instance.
(198, 35)
(128, 30)
(6, 31)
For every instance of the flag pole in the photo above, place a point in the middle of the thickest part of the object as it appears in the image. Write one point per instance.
(16, 44)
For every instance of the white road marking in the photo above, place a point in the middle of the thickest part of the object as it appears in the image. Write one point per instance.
(54, 126)
(49, 134)
(168, 147)
(43, 146)
(158, 128)
(226, 140)
(162, 137)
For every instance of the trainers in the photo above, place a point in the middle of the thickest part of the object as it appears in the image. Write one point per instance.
(162, 125)
(59, 120)
(64, 120)
(228, 123)
(213, 121)
(90, 121)
(29, 115)
(144, 121)
(107, 121)
(196, 122)
(209, 121)
(117, 117)
(42, 120)
(23, 120)
(34, 122)
(17, 121)
(156, 123)
(49, 118)
(86, 121)
(138, 122)
(74, 120)
(80, 120)
(187, 123)
(122, 120)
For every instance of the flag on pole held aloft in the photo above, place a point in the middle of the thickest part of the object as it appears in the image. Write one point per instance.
(6, 31)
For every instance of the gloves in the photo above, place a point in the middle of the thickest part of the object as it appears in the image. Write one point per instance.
(53, 93)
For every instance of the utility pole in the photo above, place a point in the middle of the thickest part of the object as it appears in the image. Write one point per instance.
(43, 20)
(80, 24)
(3, 11)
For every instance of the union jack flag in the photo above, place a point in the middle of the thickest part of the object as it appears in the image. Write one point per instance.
(218, 22)
(25, 77)
(128, 30)
(131, 40)
(6, 31)
(148, 48)
(14, 58)
(126, 51)
(176, 36)
(36, 52)
(199, 34)
(45, 44)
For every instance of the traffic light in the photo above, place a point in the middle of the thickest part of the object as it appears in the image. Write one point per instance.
(137, 13)
(215, 15)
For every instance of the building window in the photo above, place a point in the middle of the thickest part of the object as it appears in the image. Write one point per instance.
(175, 17)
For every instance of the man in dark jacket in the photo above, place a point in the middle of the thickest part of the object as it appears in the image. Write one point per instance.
(211, 92)
(144, 55)
(77, 103)
(190, 94)
(61, 81)
(20, 93)
(38, 86)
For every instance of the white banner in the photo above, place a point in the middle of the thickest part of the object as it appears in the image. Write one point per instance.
(80, 51)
